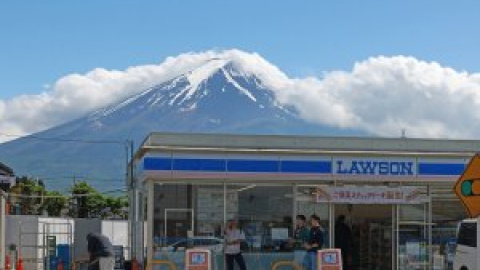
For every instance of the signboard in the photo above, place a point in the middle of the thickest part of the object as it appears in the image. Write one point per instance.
(197, 259)
(279, 233)
(370, 195)
(467, 187)
(329, 259)
(374, 166)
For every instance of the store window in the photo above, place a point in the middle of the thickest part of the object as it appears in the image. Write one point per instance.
(264, 214)
(413, 240)
(184, 211)
(187, 216)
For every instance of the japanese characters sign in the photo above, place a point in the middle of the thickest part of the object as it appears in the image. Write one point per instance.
(329, 259)
(370, 195)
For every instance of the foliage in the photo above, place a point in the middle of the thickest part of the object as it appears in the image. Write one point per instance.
(91, 204)
(32, 198)
(32, 190)
(54, 203)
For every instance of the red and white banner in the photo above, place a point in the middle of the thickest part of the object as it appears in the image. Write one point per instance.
(370, 195)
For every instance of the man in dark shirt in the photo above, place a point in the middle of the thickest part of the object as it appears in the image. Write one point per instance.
(315, 243)
(100, 249)
(302, 233)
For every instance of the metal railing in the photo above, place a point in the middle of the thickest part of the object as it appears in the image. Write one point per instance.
(281, 263)
(171, 265)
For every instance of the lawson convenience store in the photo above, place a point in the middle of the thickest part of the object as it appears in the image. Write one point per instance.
(396, 194)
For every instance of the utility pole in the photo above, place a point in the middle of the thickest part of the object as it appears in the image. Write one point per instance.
(132, 200)
(3, 205)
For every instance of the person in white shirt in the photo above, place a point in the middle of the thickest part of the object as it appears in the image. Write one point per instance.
(233, 238)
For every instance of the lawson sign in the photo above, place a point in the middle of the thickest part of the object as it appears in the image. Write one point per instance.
(372, 166)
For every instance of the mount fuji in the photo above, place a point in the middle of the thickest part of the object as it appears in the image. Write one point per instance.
(222, 95)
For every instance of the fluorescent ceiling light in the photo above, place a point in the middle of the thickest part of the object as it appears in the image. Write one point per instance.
(245, 188)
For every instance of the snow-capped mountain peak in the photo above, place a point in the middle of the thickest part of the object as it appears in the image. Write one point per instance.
(197, 79)
(214, 77)
(196, 76)
(217, 82)
(199, 75)
(238, 63)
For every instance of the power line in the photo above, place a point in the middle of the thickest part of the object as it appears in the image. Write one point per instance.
(127, 143)
(60, 196)
(58, 139)
(80, 179)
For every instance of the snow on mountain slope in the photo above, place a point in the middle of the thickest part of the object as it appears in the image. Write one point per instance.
(231, 93)
(216, 79)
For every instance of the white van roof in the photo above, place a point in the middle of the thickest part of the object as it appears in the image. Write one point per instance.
(469, 220)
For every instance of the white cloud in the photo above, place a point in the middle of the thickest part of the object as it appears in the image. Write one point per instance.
(384, 95)
(381, 95)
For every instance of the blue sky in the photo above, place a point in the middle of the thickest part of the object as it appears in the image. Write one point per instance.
(42, 41)
(375, 66)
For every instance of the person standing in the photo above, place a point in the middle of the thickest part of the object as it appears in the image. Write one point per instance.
(343, 241)
(315, 243)
(233, 238)
(102, 254)
(301, 235)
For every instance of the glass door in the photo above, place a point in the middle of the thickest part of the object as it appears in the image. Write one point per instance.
(412, 237)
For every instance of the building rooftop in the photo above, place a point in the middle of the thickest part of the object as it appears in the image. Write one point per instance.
(4, 169)
(307, 144)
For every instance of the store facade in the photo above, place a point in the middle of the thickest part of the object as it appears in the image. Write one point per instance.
(396, 196)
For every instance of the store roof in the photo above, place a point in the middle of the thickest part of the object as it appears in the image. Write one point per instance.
(282, 143)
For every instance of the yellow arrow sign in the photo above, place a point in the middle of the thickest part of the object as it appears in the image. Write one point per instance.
(467, 187)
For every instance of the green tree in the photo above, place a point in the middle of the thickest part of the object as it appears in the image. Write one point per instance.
(116, 206)
(86, 200)
(54, 203)
(27, 194)
(89, 203)
(33, 199)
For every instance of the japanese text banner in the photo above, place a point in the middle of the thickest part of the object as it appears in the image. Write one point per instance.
(370, 195)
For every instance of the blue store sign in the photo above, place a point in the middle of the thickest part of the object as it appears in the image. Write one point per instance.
(375, 167)
(324, 165)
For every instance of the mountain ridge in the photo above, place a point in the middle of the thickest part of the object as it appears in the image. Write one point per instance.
(221, 96)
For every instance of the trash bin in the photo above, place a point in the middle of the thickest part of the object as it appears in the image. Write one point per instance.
(52, 263)
(63, 253)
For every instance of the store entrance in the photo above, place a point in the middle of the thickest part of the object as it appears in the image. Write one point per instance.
(370, 228)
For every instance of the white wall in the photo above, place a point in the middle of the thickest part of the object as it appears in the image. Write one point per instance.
(82, 228)
(33, 230)
(115, 230)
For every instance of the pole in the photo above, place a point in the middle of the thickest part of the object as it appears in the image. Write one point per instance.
(132, 206)
(150, 214)
(477, 250)
(3, 252)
